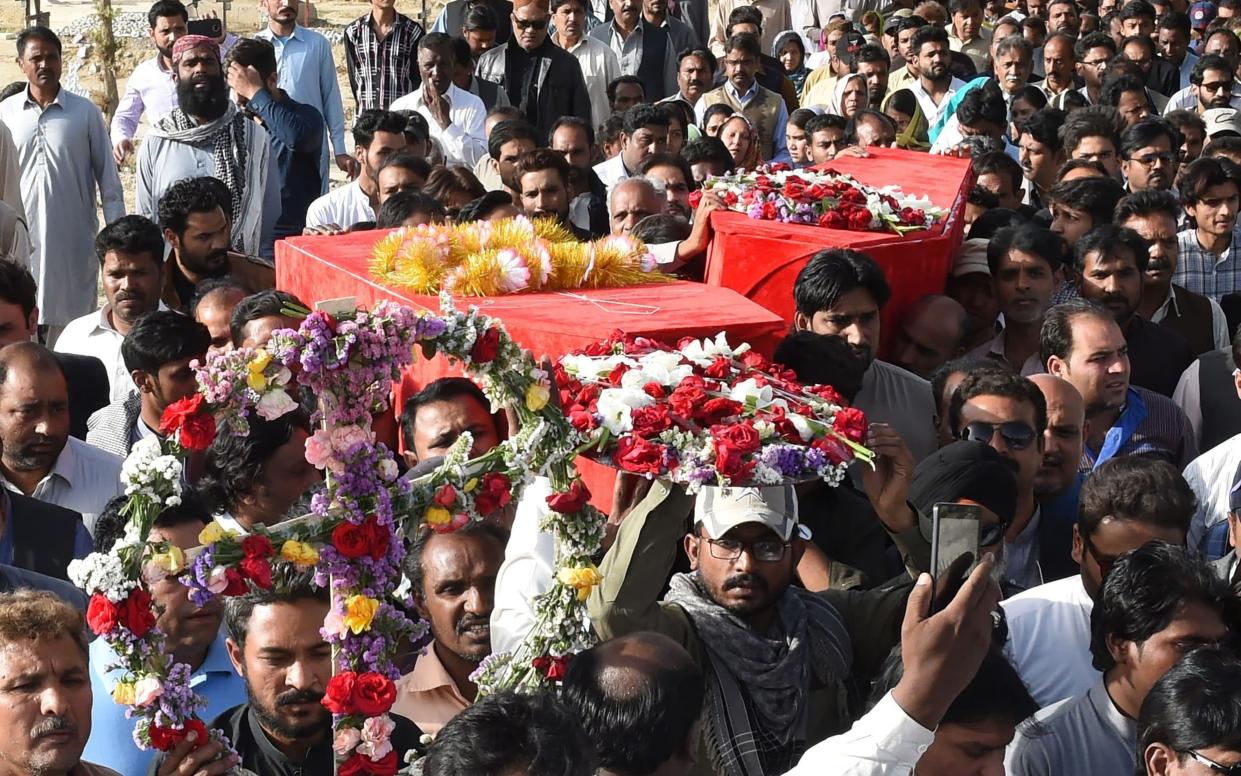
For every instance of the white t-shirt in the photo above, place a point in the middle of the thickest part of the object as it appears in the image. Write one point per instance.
(1049, 639)
(345, 206)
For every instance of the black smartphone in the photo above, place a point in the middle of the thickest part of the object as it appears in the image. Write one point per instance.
(212, 28)
(955, 531)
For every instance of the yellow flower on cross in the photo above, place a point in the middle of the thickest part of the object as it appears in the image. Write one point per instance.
(359, 611)
(581, 578)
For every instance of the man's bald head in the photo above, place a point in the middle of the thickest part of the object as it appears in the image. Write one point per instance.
(640, 698)
(1063, 439)
(931, 335)
(632, 200)
(34, 409)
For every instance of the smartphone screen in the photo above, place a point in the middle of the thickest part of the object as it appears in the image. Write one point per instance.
(212, 28)
(955, 532)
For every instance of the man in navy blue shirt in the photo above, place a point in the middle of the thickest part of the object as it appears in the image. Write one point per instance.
(296, 129)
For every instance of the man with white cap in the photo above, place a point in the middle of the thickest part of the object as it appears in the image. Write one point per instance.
(970, 284)
(779, 659)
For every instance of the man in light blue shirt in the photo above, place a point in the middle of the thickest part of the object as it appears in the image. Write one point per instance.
(306, 72)
(194, 637)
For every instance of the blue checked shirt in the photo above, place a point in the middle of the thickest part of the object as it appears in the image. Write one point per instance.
(1203, 272)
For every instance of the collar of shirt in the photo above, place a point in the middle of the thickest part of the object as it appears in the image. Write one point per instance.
(1130, 418)
(743, 99)
(1169, 306)
(30, 101)
(216, 661)
(105, 320)
(320, 752)
(451, 94)
(1125, 728)
(429, 674)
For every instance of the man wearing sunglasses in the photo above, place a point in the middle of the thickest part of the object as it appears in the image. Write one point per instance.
(1157, 604)
(1190, 723)
(1125, 503)
(1082, 343)
(524, 68)
(1227, 567)
(1008, 412)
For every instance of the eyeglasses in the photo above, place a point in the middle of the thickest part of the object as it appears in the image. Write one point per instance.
(766, 551)
(1105, 561)
(1227, 770)
(530, 24)
(1017, 435)
(1097, 64)
(1150, 160)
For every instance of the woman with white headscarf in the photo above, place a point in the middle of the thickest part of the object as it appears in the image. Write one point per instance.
(849, 97)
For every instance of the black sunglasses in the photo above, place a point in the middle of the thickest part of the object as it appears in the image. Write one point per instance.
(1227, 770)
(1017, 435)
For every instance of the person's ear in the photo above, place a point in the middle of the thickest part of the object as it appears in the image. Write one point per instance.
(1077, 553)
(421, 607)
(1120, 649)
(32, 325)
(797, 547)
(143, 380)
(1057, 366)
(236, 656)
(1159, 758)
(692, 547)
(801, 322)
(172, 239)
(410, 457)
(1236, 380)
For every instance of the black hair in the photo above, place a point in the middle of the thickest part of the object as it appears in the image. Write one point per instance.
(412, 564)
(666, 159)
(415, 127)
(1194, 706)
(508, 131)
(1209, 62)
(435, 40)
(1081, 164)
(704, 54)
(821, 359)
(1146, 133)
(1105, 239)
(661, 228)
(799, 117)
(825, 121)
(461, 48)
(132, 235)
(1031, 93)
(615, 84)
(544, 159)
(403, 204)
(573, 122)
(911, 23)
(17, 286)
(928, 33)
(164, 9)
(610, 128)
(1221, 146)
(16, 87)
(1142, 40)
(998, 381)
(745, 43)
(482, 207)
(743, 14)
(1145, 203)
(479, 16)
(988, 224)
(161, 337)
(369, 122)
(1092, 121)
(188, 196)
(507, 731)
(1136, 8)
(295, 586)
(870, 53)
(1144, 591)
(996, 693)
(1182, 119)
(1116, 86)
(37, 32)
(834, 272)
(258, 305)
(443, 389)
(407, 159)
(1175, 20)
(707, 149)
(1092, 41)
(637, 722)
(1056, 336)
(1018, 42)
(985, 104)
(643, 115)
(1044, 128)
(1205, 173)
(211, 285)
(939, 378)
(717, 109)
(999, 163)
(111, 523)
(1027, 238)
(256, 53)
(982, 197)
(235, 461)
(1144, 490)
(1096, 196)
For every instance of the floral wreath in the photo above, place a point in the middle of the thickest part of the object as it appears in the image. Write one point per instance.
(353, 537)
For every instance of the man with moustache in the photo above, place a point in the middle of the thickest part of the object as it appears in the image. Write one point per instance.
(1110, 263)
(1149, 152)
(194, 216)
(193, 638)
(206, 132)
(1059, 62)
(1057, 485)
(1014, 62)
(543, 181)
(1211, 81)
(454, 578)
(695, 75)
(936, 85)
(1197, 318)
(45, 693)
(284, 729)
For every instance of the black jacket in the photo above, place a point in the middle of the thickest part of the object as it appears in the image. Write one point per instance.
(559, 85)
(260, 756)
(88, 389)
(43, 535)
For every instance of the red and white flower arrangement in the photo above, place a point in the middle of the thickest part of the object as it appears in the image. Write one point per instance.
(824, 198)
(705, 413)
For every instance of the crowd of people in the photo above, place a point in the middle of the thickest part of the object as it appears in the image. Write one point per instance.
(1077, 382)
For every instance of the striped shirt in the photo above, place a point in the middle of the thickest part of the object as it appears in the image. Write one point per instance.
(1205, 273)
(382, 69)
(1151, 426)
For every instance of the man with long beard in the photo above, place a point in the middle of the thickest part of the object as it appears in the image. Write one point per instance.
(207, 135)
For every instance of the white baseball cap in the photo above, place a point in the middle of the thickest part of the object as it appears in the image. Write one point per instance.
(722, 509)
(1221, 120)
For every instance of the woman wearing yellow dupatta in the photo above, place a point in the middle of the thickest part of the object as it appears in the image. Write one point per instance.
(911, 126)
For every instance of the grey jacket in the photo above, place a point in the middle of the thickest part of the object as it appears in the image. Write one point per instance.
(563, 95)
